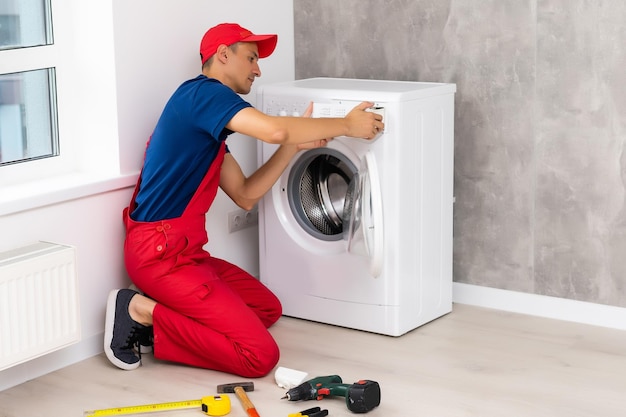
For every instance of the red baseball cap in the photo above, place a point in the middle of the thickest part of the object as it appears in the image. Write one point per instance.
(231, 33)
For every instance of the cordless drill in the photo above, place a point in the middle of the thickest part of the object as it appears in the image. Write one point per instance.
(361, 397)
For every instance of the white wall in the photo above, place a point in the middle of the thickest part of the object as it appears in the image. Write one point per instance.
(155, 48)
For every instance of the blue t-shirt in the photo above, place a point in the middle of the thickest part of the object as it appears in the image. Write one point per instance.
(183, 146)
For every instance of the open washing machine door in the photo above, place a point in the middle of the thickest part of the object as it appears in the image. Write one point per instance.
(363, 215)
(334, 201)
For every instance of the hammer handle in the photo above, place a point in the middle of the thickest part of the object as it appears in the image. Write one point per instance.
(245, 402)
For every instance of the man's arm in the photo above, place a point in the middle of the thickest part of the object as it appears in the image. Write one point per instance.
(293, 134)
(247, 191)
(285, 130)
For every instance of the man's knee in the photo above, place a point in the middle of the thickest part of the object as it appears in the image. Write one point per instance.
(264, 362)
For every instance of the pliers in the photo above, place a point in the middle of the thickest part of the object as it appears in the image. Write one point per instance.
(311, 412)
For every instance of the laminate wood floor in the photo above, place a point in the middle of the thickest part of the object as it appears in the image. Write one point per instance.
(471, 362)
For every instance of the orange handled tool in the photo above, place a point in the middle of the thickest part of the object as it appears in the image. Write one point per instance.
(240, 388)
(245, 402)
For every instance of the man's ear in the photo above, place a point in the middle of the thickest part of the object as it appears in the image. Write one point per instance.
(222, 53)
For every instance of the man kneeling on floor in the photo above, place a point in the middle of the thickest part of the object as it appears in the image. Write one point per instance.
(196, 309)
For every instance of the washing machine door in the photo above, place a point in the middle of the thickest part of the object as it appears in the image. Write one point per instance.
(363, 215)
(333, 200)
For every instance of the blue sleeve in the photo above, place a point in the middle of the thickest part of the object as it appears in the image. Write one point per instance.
(214, 106)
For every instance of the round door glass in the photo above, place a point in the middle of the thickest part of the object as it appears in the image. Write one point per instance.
(317, 187)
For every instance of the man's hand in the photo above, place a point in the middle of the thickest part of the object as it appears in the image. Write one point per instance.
(364, 124)
(315, 144)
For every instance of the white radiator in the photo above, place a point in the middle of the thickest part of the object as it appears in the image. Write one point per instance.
(38, 302)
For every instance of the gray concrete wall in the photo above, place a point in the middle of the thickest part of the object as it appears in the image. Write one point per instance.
(540, 125)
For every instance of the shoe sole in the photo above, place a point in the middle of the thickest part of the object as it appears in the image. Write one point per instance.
(143, 349)
(108, 334)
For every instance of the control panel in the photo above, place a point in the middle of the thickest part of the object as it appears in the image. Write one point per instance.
(284, 106)
(295, 107)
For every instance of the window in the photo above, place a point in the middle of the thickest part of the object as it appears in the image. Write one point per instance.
(28, 114)
(61, 98)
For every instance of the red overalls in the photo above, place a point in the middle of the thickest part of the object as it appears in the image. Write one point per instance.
(209, 313)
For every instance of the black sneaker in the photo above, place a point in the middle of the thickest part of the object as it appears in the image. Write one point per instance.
(146, 341)
(121, 332)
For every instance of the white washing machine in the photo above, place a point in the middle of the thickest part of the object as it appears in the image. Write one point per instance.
(359, 234)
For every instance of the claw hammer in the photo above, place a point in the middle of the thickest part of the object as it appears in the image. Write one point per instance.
(240, 388)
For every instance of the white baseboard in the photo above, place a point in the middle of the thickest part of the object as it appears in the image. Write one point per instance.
(540, 305)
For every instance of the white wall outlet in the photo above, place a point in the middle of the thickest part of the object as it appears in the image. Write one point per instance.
(240, 219)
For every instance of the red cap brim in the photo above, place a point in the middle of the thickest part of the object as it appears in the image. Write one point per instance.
(265, 43)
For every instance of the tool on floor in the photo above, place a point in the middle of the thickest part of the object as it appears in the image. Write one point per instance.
(240, 388)
(361, 397)
(311, 412)
(213, 405)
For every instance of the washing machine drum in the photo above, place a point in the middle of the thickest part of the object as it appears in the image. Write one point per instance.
(320, 185)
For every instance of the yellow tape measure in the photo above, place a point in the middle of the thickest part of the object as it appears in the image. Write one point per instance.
(214, 405)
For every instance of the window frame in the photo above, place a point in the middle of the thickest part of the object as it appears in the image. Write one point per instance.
(30, 58)
(89, 162)
(52, 122)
